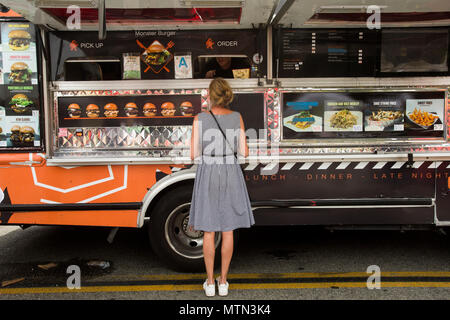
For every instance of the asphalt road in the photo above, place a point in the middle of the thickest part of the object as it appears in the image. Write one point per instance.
(288, 263)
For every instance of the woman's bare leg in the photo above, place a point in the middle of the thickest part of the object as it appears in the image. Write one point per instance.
(227, 253)
(208, 254)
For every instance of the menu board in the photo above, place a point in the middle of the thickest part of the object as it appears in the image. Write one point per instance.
(363, 114)
(127, 111)
(326, 53)
(19, 102)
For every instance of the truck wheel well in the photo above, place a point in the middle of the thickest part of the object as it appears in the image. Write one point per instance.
(184, 183)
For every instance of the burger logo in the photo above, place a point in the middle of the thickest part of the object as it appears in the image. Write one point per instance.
(156, 56)
(19, 40)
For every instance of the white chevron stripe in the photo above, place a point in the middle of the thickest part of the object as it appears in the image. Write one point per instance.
(270, 166)
(361, 165)
(306, 165)
(251, 166)
(343, 165)
(435, 165)
(288, 166)
(379, 165)
(325, 165)
(417, 164)
(398, 165)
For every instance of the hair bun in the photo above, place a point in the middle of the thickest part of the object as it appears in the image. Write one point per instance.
(220, 92)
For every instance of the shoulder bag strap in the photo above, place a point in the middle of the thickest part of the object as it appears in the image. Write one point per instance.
(224, 136)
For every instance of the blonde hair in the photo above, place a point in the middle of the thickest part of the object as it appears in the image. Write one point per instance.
(220, 93)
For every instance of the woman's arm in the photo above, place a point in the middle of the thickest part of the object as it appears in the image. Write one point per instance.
(243, 147)
(194, 139)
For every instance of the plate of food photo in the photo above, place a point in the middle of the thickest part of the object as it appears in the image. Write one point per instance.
(343, 120)
(303, 121)
(381, 119)
(422, 118)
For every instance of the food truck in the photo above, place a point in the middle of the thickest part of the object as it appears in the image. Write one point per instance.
(345, 106)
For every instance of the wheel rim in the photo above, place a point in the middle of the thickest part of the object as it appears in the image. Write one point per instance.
(183, 241)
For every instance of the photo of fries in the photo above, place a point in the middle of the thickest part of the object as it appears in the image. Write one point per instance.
(423, 118)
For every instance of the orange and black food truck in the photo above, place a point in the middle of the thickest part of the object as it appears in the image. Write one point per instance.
(347, 124)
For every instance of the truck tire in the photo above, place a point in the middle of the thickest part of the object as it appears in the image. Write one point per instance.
(171, 240)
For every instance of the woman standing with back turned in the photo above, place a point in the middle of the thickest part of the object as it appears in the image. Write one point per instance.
(220, 201)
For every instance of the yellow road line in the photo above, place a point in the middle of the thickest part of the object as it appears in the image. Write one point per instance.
(282, 275)
(243, 286)
(102, 289)
(239, 286)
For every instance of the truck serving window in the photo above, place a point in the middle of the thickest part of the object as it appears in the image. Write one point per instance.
(157, 54)
(87, 69)
(224, 66)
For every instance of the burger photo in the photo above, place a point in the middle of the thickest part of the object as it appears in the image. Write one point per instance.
(15, 134)
(168, 109)
(186, 108)
(156, 54)
(20, 73)
(92, 111)
(111, 110)
(74, 110)
(131, 110)
(27, 134)
(19, 40)
(149, 110)
(20, 103)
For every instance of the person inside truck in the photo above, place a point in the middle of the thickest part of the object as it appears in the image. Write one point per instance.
(223, 67)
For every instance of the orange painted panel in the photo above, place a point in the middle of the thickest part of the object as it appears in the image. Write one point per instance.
(10, 14)
(39, 184)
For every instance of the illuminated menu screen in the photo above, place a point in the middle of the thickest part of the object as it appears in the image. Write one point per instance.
(363, 114)
(326, 53)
